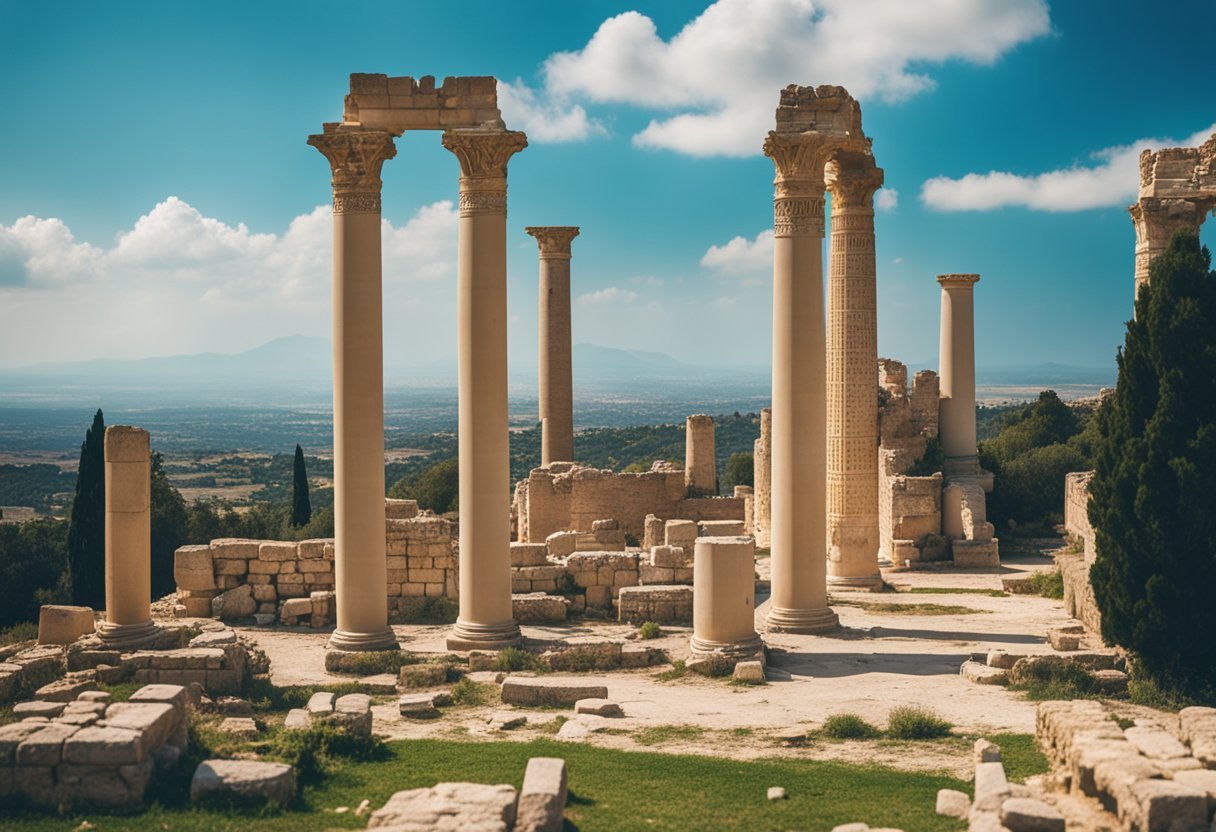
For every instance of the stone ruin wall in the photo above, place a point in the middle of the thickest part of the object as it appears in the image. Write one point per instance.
(294, 580)
(564, 496)
(1076, 511)
(762, 477)
(909, 508)
(1079, 598)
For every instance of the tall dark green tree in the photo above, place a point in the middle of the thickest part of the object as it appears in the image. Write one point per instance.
(301, 506)
(1153, 496)
(87, 526)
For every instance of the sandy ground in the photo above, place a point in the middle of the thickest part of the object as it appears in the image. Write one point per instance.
(877, 661)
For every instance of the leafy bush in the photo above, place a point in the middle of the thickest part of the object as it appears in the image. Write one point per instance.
(314, 751)
(1049, 584)
(650, 630)
(912, 723)
(740, 470)
(513, 659)
(436, 488)
(1062, 679)
(468, 692)
(848, 727)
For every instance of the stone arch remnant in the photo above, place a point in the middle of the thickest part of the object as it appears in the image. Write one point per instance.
(1177, 192)
(377, 110)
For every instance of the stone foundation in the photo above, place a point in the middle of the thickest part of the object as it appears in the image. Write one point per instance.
(660, 604)
(1076, 511)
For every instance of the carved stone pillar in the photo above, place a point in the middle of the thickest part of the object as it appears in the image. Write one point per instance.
(556, 391)
(1156, 220)
(485, 619)
(799, 464)
(360, 566)
(957, 368)
(128, 463)
(852, 355)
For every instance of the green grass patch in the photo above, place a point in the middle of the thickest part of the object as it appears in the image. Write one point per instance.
(1049, 583)
(1020, 755)
(912, 723)
(891, 608)
(1123, 722)
(955, 590)
(120, 691)
(21, 631)
(469, 693)
(611, 791)
(848, 727)
(1057, 680)
(650, 630)
(677, 671)
(512, 660)
(663, 734)
(1145, 691)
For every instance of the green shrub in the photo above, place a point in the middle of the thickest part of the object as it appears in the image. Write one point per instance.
(1060, 679)
(912, 723)
(21, 631)
(1049, 584)
(315, 751)
(512, 660)
(848, 727)
(468, 692)
(678, 669)
(650, 630)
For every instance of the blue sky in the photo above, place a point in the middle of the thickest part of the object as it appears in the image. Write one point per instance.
(158, 196)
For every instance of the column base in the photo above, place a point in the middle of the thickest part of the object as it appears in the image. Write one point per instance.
(469, 636)
(127, 636)
(856, 581)
(363, 642)
(745, 649)
(821, 620)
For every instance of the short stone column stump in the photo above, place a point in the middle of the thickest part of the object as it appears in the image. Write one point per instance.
(724, 601)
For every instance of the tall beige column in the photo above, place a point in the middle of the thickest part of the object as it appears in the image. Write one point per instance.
(361, 576)
(724, 597)
(556, 390)
(957, 369)
(852, 355)
(485, 619)
(128, 538)
(799, 463)
(700, 457)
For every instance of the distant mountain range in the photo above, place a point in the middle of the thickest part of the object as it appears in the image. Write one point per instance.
(305, 361)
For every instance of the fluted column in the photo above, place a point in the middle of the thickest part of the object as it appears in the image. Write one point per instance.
(128, 462)
(957, 368)
(360, 566)
(852, 355)
(556, 391)
(485, 619)
(799, 580)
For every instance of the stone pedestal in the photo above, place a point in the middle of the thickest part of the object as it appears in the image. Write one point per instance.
(724, 596)
(360, 565)
(799, 464)
(700, 458)
(485, 620)
(957, 368)
(128, 458)
(555, 385)
(852, 355)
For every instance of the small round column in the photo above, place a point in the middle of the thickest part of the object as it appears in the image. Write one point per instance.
(554, 370)
(360, 562)
(486, 620)
(957, 369)
(724, 598)
(128, 461)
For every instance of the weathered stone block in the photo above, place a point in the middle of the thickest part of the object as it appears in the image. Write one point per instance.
(563, 692)
(234, 603)
(542, 798)
(156, 721)
(63, 624)
(44, 747)
(470, 806)
(104, 746)
(537, 607)
(278, 550)
(243, 779)
(192, 568)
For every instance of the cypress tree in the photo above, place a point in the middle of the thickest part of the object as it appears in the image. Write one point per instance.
(1153, 496)
(301, 506)
(87, 526)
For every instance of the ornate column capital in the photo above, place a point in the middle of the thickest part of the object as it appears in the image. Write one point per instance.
(483, 156)
(355, 158)
(958, 281)
(856, 179)
(798, 187)
(553, 240)
(1156, 219)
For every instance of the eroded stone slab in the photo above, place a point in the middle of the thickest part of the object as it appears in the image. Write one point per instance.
(556, 692)
(243, 780)
(468, 807)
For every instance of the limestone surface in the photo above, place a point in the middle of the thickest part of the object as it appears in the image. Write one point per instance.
(243, 779)
(449, 807)
(542, 798)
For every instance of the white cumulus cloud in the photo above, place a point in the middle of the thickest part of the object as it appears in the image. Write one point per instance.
(543, 118)
(1112, 180)
(741, 255)
(610, 294)
(716, 81)
(886, 199)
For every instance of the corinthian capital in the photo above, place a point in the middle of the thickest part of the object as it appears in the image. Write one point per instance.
(1156, 219)
(799, 160)
(855, 179)
(355, 158)
(483, 157)
(554, 240)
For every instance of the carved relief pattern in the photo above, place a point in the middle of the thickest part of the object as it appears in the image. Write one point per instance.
(553, 241)
(472, 202)
(798, 216)
(483, 158)
(355, 158)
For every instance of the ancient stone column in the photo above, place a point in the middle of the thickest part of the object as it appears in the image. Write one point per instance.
(724, 597)
(762, 470)
(485, 619)
(852, 353)
(1156, 220)
(799, 464)
(700, 459)
(957, 360)
(360, 566)
(128, 538)
(556, 389)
